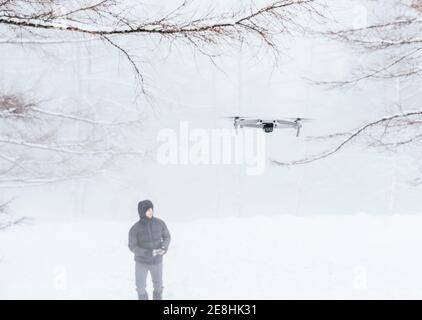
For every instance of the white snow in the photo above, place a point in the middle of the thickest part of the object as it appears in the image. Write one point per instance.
(274, 257)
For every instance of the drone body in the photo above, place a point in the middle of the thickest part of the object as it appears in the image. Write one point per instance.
(268, 125)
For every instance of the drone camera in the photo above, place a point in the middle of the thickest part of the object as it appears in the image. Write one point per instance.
(268, 127)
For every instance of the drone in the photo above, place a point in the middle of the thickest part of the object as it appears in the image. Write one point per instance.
(268, 125)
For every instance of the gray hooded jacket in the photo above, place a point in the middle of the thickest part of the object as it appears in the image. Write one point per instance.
(148, 234)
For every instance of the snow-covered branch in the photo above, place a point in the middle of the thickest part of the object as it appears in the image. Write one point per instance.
(6, 218)
(110, 20)
(390, 48)
(35, 143)
(387, 126)
(396, 41)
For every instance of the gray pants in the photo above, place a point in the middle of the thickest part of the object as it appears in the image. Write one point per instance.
(141, 272)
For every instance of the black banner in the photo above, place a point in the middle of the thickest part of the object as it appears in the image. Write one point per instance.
(208, 309)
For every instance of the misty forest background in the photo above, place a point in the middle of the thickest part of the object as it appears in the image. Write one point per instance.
(85, 86)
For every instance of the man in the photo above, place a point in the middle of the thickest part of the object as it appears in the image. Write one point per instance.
(149, 240)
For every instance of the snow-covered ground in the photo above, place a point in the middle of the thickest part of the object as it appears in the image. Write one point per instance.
(274, 257)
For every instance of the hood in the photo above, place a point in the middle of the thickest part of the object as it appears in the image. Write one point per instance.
(143, 206)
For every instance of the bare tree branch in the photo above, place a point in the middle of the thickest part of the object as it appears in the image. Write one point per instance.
(392, 47)
(35, 148)
(403, 120)
(110, 20)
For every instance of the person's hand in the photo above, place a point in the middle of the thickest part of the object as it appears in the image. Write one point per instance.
(157, 252)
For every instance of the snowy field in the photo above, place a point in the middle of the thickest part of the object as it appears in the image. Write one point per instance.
(279, 257)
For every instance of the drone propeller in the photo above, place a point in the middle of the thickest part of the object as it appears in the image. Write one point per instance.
(300, 119)
(235, 117)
